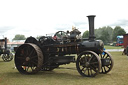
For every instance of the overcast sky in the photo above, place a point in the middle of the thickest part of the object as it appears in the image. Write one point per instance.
(41, 17)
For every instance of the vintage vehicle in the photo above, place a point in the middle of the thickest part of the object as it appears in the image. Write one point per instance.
(4, 52)
(125, 44)
(119, 41)
(49, 53)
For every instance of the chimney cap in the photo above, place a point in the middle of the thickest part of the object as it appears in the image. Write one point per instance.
(91, 16)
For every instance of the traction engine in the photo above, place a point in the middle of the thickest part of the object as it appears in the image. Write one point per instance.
(49, 53)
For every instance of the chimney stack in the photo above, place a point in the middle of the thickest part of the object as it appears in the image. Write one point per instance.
(91, 27)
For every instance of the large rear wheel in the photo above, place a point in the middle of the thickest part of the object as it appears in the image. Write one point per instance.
(28, 59)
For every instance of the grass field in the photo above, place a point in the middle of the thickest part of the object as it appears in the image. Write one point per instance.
(118, 75)
(112, 47)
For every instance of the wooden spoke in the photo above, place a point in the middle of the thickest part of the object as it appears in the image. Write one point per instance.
(33, 57)
(22, 58)
(93, 68)
(85, 70)
(94, 63)
(35, 63)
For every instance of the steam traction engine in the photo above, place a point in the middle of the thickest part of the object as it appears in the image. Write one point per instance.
(48, 53)
(4, 52)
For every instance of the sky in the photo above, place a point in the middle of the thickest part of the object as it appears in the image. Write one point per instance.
(41, 17)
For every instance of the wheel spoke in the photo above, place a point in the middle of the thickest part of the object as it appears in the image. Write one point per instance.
(91, 67)
(28, 50)
(90, 58)
(104, 68)
(107, 56)
(26, 68)
(32, 67)
(91, 72)
(88, 72)
(33, 57)
(85, 70)
(32, 53)
(93, 59)
(34, 62)
(24, 63)
(21, 58)
(94, 63)
(85, 59)
(108, 67)
(104, 55)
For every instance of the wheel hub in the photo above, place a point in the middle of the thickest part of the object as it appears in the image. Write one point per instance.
(87, 64)
(27, 58)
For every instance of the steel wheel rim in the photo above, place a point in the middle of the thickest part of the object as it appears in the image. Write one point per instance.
(88, 64)
(28, 59)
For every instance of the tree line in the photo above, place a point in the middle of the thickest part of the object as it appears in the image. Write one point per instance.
(107, 34)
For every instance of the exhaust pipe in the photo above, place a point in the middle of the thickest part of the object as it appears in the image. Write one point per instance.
(91, 27)
(5, 44)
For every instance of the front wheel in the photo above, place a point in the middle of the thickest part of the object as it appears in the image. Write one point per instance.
(107, 67)
(88, 64)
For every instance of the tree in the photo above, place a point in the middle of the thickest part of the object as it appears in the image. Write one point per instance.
(104, 34)
(110, 31)
(85, 34)
(118, 31)
(19, 37)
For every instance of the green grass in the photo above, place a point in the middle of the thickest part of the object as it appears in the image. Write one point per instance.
(112, 47)
(118, 75)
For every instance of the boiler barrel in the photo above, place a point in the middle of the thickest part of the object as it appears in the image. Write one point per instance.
(96, 46)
